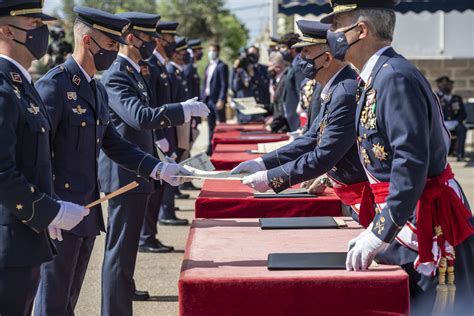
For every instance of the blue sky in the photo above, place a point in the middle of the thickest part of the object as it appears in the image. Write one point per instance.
(254, 14)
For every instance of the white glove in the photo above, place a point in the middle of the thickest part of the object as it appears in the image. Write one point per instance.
(364, 251)
(163, 144)
(170, 172)
(69, 215)
(193, 107)
(250, 166)
(353, 241)
(55, 233)
(257, 181)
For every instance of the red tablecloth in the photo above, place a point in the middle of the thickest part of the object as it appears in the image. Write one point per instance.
(227, 156)
(225, 273)
(232, 199)
(236, 137)
(225, 127)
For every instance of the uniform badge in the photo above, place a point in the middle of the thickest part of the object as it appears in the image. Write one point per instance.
(17, 92)
(277, 182)
(163, 75)
(76, 80)
(79, 110)
(16, 77)
(19, 207)
(33, 109)
(72, 96)
(379, 152)
(380, 226)
(140, 85)
(368, 118)
(129, 69)
(365, 157)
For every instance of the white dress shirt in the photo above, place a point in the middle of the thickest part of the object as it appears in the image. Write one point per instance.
(370, 64)
(210, 72)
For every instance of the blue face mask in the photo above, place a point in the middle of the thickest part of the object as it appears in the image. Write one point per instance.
(338, 43)
(146, 49)
(307, 66)
(212, 55)
(36, 40)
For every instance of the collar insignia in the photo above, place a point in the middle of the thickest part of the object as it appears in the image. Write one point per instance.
(16, 77)
(276, 182)
(33, 109)
(79, 110)
(140, 85)
(72, 96)
(129, 69)
(163, 75)
(76, 80)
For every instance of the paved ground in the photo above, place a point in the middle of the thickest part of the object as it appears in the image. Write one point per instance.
(159, 273)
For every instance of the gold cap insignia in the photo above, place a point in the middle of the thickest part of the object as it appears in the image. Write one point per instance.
(79, 110)
(379, 152)
(76, 80)
(16, 77)
(33, 109)
(72, 96)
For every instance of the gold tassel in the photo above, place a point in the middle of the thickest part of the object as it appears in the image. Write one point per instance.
(439, 308)
(451, 290)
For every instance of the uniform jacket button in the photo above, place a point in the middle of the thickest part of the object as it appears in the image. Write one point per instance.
(83, 124)
(97, 122)
(67, 185)
(43, 130)
(98, 140)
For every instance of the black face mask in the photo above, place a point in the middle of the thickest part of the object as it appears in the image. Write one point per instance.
(445, 90)
(169, 48)
(104, 57)
(186, 58)
(271, 74)
(307, 66)
(338, 43)
(146, 49)
(36, 40)
(253, 58)
(286, 54)
(198, 56)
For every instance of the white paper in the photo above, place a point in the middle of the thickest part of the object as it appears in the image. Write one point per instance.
(265, 148)
(248, 106)
(215, 175)
(200, 161)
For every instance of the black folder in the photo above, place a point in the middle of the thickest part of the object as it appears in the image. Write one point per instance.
(288, 193)
(307, 261)
(301, 222)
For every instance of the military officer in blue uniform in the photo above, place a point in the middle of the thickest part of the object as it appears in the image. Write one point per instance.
(329, 145)
(403, 146)
(454, 112)
(190, 69)
(28, 206)
(81, 127)
(135, 118)
(160, 86)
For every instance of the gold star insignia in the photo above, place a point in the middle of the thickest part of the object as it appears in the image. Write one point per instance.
(79, 110)
(379, 152)
(19, 207)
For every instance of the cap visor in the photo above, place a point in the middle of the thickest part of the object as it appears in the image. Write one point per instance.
(303, 44)
(42, 16)
(116, 38)
(328, 18)
(153, 34)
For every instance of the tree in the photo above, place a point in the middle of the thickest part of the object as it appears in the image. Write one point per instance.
(208, 21)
